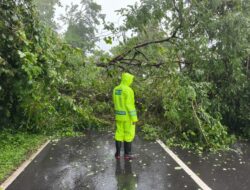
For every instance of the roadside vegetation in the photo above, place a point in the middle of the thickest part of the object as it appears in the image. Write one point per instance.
(191, 60)
(15, 148)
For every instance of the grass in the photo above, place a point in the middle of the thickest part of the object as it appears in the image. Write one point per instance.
(16, 147)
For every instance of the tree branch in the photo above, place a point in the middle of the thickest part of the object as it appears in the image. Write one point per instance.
(122, 57)
(145, 57)
(144, 45)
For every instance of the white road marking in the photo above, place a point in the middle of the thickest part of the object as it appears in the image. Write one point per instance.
(184, 167)
(22, 167)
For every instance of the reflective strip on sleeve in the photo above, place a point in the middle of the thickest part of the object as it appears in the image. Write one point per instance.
(133, 113)
(118, 92)
(120, 112)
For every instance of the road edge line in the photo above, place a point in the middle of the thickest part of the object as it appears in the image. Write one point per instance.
(197, 180)
(22, 167)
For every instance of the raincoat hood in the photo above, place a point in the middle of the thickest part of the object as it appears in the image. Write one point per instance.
(127, 79)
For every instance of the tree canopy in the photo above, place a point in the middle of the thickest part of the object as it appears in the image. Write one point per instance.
(82, 21)
(46, 10)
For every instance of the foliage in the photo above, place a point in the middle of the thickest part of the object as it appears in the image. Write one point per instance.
(46, 85)
(150, 132)
(15, 147)
(192, 61)
(46, 9)
(82, 21)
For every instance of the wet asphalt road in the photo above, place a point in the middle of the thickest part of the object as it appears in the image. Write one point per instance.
(222, 171)
(88, 163)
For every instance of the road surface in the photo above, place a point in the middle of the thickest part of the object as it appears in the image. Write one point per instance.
(88, 163)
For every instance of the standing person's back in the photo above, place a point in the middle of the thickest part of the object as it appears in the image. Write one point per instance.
(125, 115)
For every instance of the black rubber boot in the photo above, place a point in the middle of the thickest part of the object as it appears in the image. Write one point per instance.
(125, 148)
(118, 145)
(128, 151)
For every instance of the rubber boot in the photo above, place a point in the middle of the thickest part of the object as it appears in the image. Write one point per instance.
(118, 145)
(128, 151)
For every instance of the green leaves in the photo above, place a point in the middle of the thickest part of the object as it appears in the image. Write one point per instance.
(21, 54)
(150, 132)
(108, 40)
(46, 9)
(82, 21)
(14, 18)
(29, 61)
(208, 61)
(15, 147)
(186, 89)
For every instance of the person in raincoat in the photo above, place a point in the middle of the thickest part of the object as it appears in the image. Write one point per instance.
(125, 115)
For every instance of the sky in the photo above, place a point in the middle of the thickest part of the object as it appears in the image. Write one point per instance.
(108, 8)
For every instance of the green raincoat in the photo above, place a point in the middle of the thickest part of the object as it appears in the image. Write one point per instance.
(125, 111)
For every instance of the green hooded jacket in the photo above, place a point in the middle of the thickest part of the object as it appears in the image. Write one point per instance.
(123, 97)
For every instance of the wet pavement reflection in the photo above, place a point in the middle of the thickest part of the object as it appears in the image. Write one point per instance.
(124, 176)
